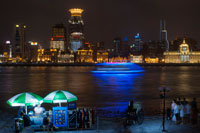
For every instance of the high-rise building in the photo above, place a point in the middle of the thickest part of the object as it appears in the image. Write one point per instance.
(137, 45)
(125, 48)
(58, 38)
(117, 46)
(33, 51)
(163, 36)
(138, 42)
(76, 25)
(19, 47)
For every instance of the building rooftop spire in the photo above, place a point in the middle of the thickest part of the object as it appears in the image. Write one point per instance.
(184, 41)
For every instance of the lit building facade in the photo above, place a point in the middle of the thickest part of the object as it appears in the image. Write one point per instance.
(33, 51)
(20, 47)
(47, 55)
(118, 59)
(76, 25)
(137, 45)
(65, 58)
(151, 60)
(85, 56)
(136, 58)
(102, 56)
(183, 55)
(58, 39)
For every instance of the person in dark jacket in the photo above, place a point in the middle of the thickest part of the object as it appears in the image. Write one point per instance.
(26, 120)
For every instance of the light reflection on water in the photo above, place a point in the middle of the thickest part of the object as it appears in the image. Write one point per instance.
(117, 87)
(106, 91)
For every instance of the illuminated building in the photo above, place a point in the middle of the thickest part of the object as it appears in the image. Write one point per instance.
(47, 55)
(65, 58)
(125, 48)
(136, 58)
(121, 48)
(183, 55)
(102, 56)
(151, 60)
(3, 58)
(6, 48)
(117, 46)
(10, 48)
(76, 29)
(20, 47)
(100, 45)
(33, 51)
(118, 59)
(58, 38)
(137, 46)
(76, 41)
(85, 56)
(163, 36)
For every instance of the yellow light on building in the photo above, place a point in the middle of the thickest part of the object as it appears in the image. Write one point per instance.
(151, 60)
(34, 43)
(184, 55)
(17, 25)
(76, 11)
(5, 53)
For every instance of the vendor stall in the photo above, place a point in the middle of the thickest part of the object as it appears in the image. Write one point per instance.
(63, 116)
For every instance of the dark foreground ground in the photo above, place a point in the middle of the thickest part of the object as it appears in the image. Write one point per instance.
(151, 124)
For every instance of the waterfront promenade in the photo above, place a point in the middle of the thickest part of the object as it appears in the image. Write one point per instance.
(151, 124)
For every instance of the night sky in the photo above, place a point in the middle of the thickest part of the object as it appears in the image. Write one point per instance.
(104, 19)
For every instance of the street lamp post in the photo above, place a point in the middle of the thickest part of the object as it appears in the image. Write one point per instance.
(163, 91)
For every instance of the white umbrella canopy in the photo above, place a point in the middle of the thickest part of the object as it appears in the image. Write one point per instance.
(60, 96)
(25, 99)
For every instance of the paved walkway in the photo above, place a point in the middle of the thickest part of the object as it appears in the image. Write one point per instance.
(150, 125)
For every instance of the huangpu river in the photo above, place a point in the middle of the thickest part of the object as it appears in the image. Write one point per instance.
(103, 91)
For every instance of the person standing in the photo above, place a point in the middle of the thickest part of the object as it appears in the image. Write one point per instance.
(172, 107)
(90, 116)
(181, 112)
(27, 123)
(187, 112)
(178, 101)
(79, 118)
(169, 113)
(177, 113)
(46, 122)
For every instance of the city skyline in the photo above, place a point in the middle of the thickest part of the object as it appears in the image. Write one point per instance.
(104, 20)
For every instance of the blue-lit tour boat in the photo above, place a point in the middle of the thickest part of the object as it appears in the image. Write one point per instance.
(117, 68)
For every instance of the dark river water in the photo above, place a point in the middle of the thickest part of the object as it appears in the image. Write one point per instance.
(103, 91)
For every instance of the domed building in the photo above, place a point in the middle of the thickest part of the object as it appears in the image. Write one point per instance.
(183, 55)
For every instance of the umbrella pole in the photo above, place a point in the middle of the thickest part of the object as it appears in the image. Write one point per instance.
(60, 104)
(26, 110)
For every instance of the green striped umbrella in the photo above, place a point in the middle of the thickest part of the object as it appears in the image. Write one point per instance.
(60, 96)
(25, 99)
